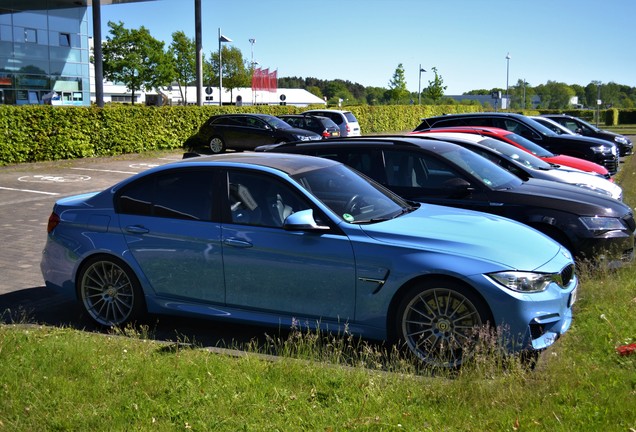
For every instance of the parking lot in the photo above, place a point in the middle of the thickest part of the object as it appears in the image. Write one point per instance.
(27, 195)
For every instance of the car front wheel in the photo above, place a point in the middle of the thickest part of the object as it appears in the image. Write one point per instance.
(217, 145)
(440, 324)
(110, 292)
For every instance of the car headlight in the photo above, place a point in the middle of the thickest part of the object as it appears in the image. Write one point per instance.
(621, 140)
(602, 149)
(600, 223)
(525, 282)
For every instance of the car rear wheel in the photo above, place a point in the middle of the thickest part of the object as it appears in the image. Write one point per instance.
(441, 323)
(217, 145)
(110, 292)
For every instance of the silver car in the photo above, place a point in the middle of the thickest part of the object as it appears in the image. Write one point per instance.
(346, 121)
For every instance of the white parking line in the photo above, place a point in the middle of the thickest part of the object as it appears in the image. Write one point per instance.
(104, 170)
(29, 190)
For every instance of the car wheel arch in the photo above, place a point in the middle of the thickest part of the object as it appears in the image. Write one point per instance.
(429, 280)
(140, 307)
(555, 234)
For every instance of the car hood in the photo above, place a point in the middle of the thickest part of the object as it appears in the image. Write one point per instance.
(564, 197)
(613, 134)
(583, 179)
(468, 233)
(579, 163)
(581, 140)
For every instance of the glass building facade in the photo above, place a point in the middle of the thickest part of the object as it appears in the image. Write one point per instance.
(44, 54)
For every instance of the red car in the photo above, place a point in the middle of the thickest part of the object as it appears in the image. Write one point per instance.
(529, 146)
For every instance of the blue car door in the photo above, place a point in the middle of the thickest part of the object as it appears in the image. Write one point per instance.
(295, 273)
(166, 221)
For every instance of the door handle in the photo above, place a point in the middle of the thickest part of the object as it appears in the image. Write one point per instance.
(237, 243)
(137, 229)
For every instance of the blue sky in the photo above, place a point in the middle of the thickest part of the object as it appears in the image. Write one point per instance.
(363, 41)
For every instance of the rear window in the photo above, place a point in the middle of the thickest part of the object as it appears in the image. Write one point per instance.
(350, 117)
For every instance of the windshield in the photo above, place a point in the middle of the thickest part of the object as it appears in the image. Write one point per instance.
(350, 195)
(485, 171)
(275, 122)
(519, 155)
(540, 128)
(585, 124)
(533, 148)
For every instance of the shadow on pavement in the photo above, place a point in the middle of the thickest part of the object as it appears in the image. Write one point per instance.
(41, 306)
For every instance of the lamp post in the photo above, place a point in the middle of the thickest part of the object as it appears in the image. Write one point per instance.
(507, 75)
(419, 86)
(221, 39)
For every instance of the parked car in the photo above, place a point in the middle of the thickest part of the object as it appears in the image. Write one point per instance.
(243, 132)
(592, 226)
(581, 127)
(279, 239)
(346, 121)
(525, 165)
(323, 126)
(591, 149)
(527, 145)
(555, 127)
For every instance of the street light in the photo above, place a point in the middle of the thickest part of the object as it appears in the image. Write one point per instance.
(419, 86)
(221, 39)
(507, 75)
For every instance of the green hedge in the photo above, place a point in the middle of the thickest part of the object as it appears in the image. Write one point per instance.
(34, 133)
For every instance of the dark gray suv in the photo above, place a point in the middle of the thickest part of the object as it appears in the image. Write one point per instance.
(595, 150)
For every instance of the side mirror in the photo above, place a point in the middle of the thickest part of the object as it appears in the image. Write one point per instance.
(303, 221)
(458, 187)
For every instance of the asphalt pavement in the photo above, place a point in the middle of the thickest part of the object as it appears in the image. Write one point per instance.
(27, 195)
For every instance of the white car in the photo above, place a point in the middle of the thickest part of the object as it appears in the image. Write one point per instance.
(346, 121)
(526, 165)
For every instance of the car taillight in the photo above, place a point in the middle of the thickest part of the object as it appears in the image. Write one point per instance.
(348, 128)
(54, 220)
(325, 134)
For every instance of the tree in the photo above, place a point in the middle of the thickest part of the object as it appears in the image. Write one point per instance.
(183, 51)
(236, 72)
(397, 86)
(521, 95)
(136, 59)
(555, 95)
(436, 88)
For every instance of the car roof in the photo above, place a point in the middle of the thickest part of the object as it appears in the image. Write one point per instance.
(290, 164)
(454, 135)
(327, 110)
(379, 140)
(477, 114)
(475, 130)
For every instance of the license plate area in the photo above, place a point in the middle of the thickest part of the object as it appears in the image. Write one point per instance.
(572, 298)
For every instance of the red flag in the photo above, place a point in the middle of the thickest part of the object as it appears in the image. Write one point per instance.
(255, 76)
(273, 81)
(265, 79)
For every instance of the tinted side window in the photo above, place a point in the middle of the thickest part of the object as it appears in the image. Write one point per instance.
(178, 194)
(260, 200)
(335, 117)
(417, 170)
(449, 123)
(292, 121)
